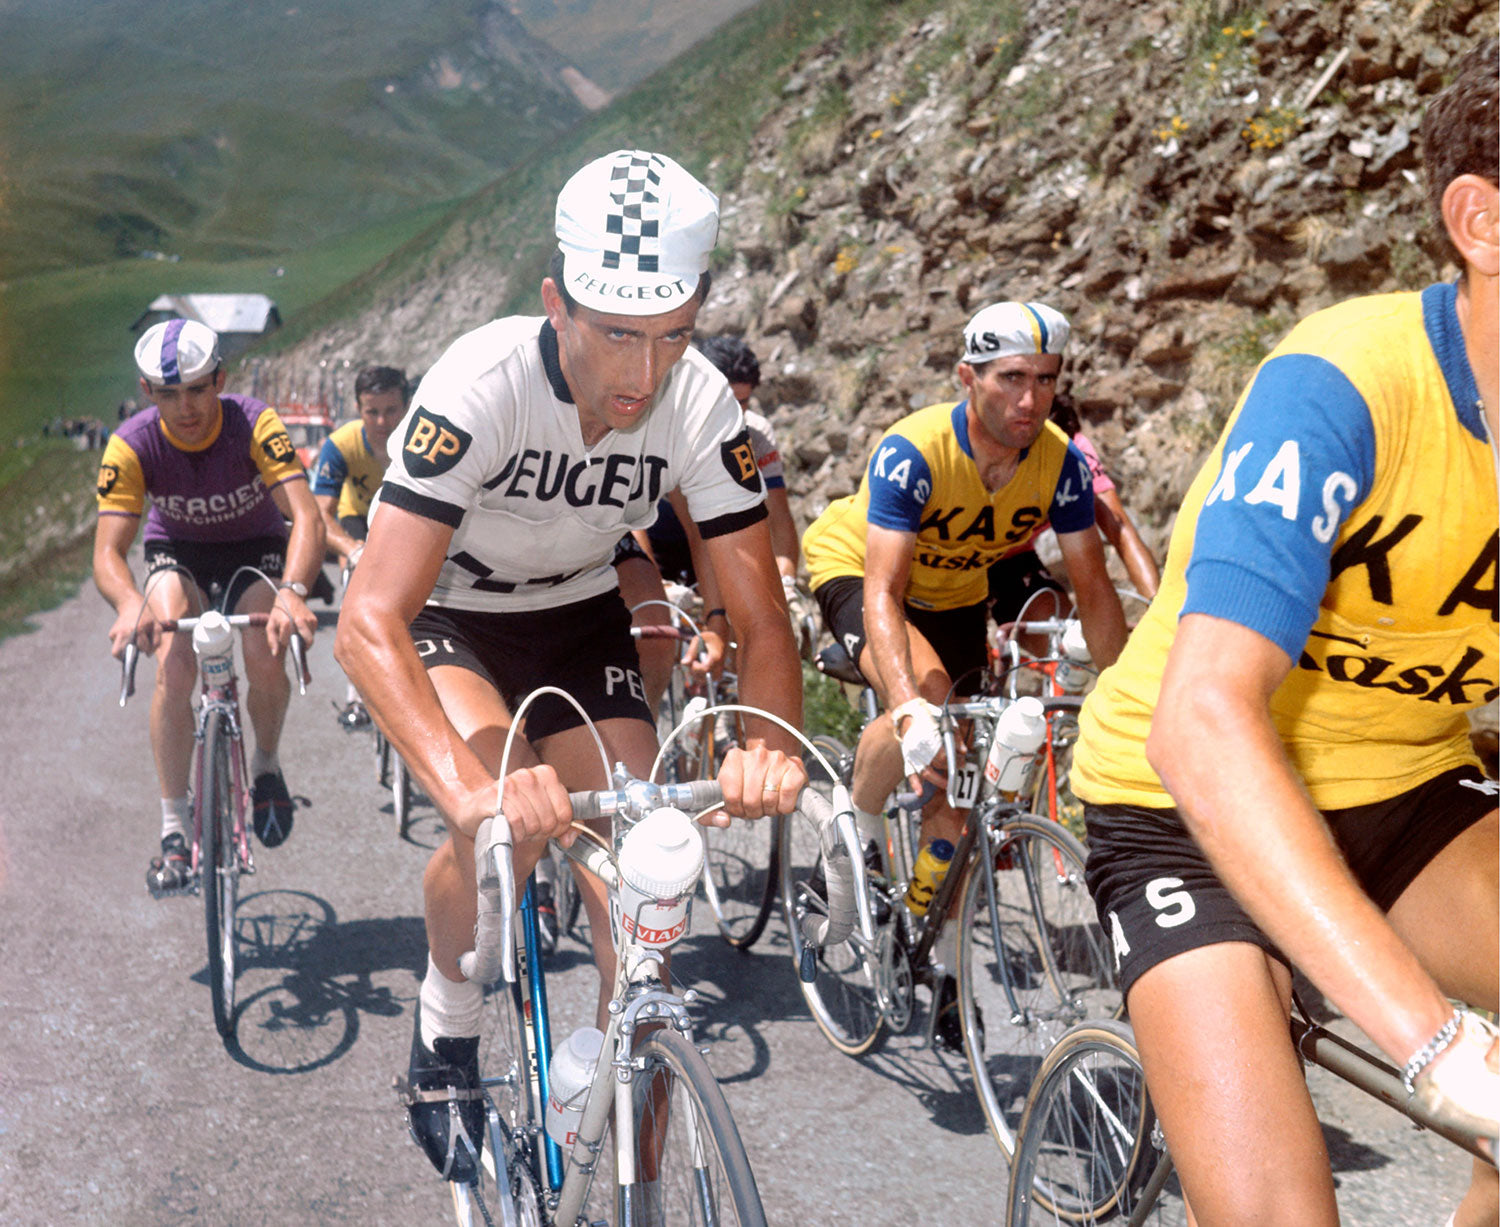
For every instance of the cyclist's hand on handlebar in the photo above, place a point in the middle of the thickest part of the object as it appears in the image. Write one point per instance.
(1464, 1080)
(705, 654)
(289, 614)
(759, 781)
(134, 621)
(536, 807)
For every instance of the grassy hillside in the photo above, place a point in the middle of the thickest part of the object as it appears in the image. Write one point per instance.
(65, 344)
(217, 129)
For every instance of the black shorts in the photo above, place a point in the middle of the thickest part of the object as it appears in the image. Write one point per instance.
(356, 526)
(956, 635)
(674, 559)
(212, 564)
(584, 648)
(1158, 897)
(1015, 580)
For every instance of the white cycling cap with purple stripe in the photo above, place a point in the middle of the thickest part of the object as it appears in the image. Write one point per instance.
(1006, 328)
(177, 351)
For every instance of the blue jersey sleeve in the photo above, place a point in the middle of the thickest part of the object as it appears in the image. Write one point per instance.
(1073, 501)
(330, 471)
(1299, 456)
(900, 484)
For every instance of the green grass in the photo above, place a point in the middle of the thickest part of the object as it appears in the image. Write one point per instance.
(46, 502)
(65, 342)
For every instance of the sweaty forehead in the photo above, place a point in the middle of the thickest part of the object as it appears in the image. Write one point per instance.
(1034, 364)
(684, 317)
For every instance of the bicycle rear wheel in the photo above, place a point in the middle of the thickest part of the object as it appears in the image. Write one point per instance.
(1086, 1151)
(219, 870)
(844, 999)
(400, 794)
(690, 1164)
(1048, 969)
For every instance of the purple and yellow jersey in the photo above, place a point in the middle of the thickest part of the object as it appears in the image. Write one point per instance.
(217, 491)
(1348, 515)
(922, 479)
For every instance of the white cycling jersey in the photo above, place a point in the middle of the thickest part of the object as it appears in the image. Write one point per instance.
(492, 447)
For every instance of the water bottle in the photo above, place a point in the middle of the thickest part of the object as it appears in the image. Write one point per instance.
(213, 641)
(661, 859)
(570, 1073)
(928, 874)
(1073, 670)
(1018, 734)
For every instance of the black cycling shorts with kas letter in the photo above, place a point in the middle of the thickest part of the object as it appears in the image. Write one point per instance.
(956, 635)
(1158, 897)
(584, 648)
(212, 564)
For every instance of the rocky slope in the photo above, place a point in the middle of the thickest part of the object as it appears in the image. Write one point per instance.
(1183, 179)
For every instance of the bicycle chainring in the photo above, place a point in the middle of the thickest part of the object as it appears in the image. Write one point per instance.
(897, 987)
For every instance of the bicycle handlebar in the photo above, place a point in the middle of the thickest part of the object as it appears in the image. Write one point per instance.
(494, 867)
(132, 654)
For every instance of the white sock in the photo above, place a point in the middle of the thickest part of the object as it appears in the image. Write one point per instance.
(350, 694)
(870, 826)
(175, 812)
(448, 1008)
(945, 949)
(262, 763)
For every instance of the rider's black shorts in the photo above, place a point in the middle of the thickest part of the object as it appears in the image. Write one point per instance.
(584, 648)
(1158, 897)
(212, 564)
(357, 527)
(956, 635)
(1015, 580)
(674, 559)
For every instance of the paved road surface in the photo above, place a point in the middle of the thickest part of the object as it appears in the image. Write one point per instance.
(119, 1103)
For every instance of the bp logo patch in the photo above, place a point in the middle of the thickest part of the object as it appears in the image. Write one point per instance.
(739, 461)
(108, 475)
(278, 448)
(433, 444)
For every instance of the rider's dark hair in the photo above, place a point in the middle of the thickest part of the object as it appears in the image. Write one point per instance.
(1458, 131)
(570, 304)
(381, 379)
(1065, 414)
(736, 360)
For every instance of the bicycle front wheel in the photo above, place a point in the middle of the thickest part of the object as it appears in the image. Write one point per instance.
(844, 998)
(1032, 961)
(689, 1164)
(1086, 1152)
(219, 870)
(740, 877)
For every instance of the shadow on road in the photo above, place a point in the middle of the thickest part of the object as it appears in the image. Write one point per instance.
(305, 979)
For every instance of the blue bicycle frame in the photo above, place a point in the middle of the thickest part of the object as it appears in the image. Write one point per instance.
(531, 998)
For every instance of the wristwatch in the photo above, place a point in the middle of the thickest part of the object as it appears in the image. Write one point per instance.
(299, 589)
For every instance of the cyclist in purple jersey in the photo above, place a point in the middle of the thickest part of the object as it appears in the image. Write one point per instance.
(223, 479)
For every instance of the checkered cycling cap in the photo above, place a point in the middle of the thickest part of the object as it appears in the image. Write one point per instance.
(635, 231)
(177, 351)
(1006, 328)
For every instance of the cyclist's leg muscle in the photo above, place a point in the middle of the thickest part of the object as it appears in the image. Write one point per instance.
(172, 691)
(1212, 1027)
(269, 688)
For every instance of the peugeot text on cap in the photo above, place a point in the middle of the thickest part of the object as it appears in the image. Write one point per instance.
(177, 351)
(635, 230)
(1006, 328)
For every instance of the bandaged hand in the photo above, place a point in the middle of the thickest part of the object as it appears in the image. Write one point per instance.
(923, 740)
(1463, 1082)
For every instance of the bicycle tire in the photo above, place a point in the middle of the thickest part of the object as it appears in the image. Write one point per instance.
(844, 998)
(503, 1066)
(740, 877)
(400, 795)
(690, 1163)
(218, 869)
(382, 760)
(1085, 1152)
(1053, 955)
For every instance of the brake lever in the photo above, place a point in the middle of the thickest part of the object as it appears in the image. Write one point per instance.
(127, 671)
(299, 662)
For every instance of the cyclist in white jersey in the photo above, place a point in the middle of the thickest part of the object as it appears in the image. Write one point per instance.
(531, 446)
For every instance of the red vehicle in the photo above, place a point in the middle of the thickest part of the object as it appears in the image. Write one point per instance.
(308, 425)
